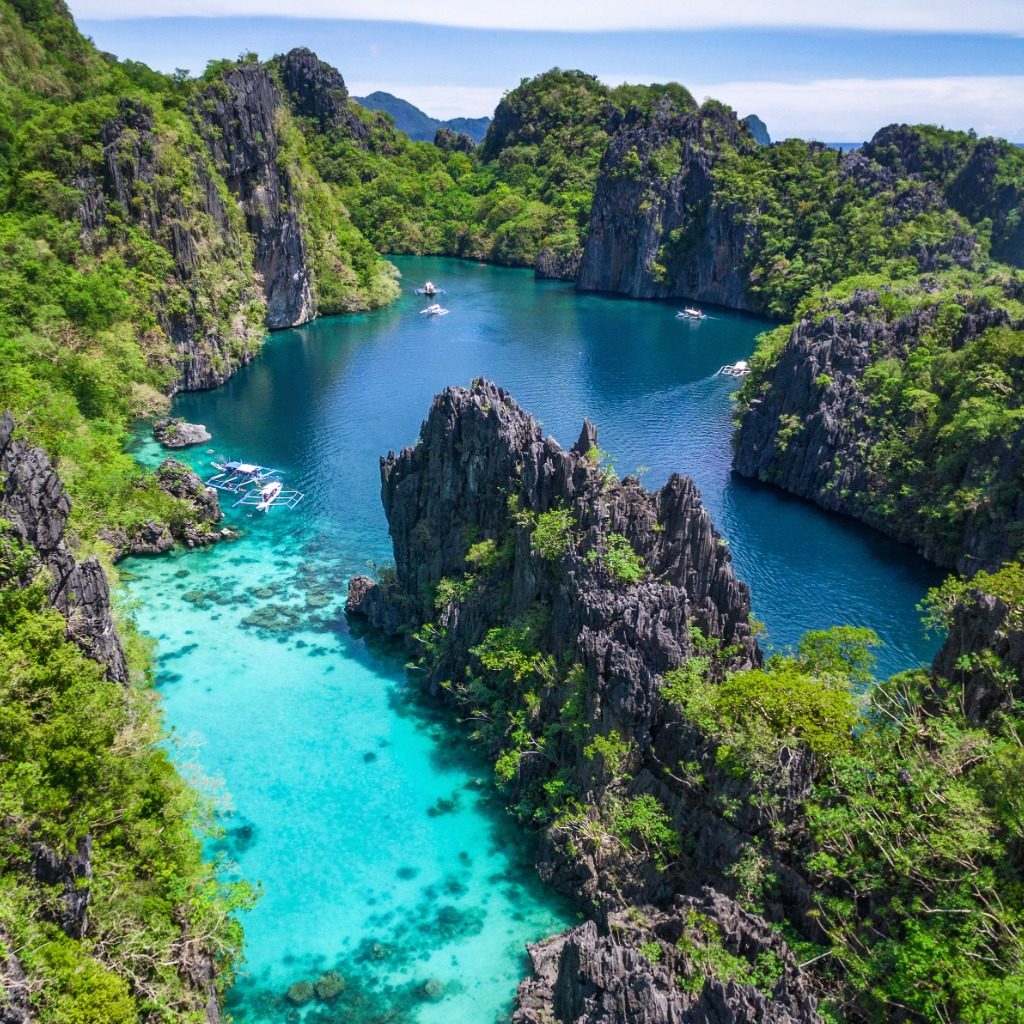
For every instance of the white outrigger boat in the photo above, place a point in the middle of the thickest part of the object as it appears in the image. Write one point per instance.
(434, 309)
(429, 289)
(690, 313)
(738, 369)
(254, 485)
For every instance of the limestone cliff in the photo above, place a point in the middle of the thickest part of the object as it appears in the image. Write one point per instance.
(46, 860)
(656, 230)
(316, 90)
(983, 653)
(829, 418)
(981, 178)
(168, 189)
(34, 502)
(238, 118)
(534, 569)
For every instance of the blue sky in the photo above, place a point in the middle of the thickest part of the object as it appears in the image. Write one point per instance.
(839, 78)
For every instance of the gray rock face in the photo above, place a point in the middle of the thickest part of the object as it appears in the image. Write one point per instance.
(194, 530)
(204, 353)
(558, 265)
(174, 432)
(33, 500)
(483, 473)
(653, 235)
(238, 118)
(590, 975)
(758, 130)
(966, 169)
(316, 90)
(810, 431)
(15, 1005)
(452, 141)
(72, 873)
(983, 626)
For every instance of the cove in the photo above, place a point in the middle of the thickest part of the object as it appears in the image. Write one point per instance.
(382, 852)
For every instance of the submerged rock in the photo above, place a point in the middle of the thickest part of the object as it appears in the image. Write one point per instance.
(300, 993)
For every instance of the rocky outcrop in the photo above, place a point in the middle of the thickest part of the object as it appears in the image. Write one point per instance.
(980, 178)
(558, 264)
(629, 972)
(453, 142)
(36, 507)
(134, 181)
(72, 874)
(656, 230)
(981, 191)
(15, 991)
(983, 654)
(238, 118)
(174, 432)
(812, 425)
(498, 528)
(194, 527)
(316, 90)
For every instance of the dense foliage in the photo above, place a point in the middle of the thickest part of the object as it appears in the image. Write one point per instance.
(79, 758)
(937, 412)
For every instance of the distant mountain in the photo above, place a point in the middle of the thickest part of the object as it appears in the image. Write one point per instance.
(419, 126)
(758, 129)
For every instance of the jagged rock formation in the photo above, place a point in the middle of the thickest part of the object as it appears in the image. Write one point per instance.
(585, 976)
(452, 141)
(195, 528)
(811, 425)
(34, 502)
(638, 210)
(238, 120)
(316, 90)
(478, 493)
(983, 654)
(73, 874)
(15, 992)
(174, 432)
(969, 172)
(199, 231)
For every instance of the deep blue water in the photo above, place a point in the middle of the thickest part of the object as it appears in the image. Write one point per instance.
(370, 827)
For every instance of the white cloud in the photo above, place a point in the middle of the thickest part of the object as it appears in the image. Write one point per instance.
(440, 101)
(1002, 17)
(852, 109)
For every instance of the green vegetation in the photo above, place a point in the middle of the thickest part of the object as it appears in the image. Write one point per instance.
(643, 820)
(702, 946)
(942, 415)
(78, 757)
(552, 534)
(619, 558)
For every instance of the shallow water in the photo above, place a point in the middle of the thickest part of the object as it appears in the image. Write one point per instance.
(370, 826)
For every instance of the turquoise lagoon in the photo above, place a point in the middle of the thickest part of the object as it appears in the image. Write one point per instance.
(370, 826)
